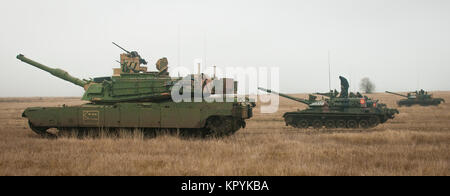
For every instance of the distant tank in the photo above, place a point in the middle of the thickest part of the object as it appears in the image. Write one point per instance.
(134, 98)
(344, 111)
(418, 97)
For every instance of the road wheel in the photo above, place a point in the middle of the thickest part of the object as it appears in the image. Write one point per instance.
(341, 124)
(330, 124)
(364, 124)
(352, 124)
(317, 124)
(303, 123)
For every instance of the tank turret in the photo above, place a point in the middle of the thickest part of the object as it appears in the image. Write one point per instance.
(124, 87)
(133, 54)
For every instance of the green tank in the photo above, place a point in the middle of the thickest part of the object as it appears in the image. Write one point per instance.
(418, 97)
(348, 110)
(134, 98)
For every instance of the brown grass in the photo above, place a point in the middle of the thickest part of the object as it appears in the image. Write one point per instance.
(416, 142)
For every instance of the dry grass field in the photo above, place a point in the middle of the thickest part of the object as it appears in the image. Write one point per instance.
(416, 142)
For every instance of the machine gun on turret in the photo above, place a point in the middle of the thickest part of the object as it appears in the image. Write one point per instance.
(133, 54)
(130, 62)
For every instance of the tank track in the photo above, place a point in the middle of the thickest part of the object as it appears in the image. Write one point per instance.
(42, 131)
(223, 126)
(328, 121)
(216, 127)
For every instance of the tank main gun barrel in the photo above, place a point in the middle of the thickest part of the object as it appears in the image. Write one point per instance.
(396, 94)
(56, 72)
(286, 96)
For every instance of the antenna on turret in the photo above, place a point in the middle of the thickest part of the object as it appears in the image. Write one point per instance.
(179, 40)
(204, 50)
(329, 71)
(418, 80)
(214, 71)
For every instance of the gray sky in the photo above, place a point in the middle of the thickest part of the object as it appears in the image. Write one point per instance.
(400, 45)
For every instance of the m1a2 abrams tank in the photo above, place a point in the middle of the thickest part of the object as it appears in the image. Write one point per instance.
(418, 97)
(344, 111)
(134, 98)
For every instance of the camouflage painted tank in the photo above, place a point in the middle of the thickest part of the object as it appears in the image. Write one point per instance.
(344, 111)
(418, 97)
(134, 98)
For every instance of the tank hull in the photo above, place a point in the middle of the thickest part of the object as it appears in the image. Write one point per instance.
(203, 118)
(425, 102)
(346, 120)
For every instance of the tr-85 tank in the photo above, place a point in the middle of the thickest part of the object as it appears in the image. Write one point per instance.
(418, 97)
(134, 98)
(343, 111)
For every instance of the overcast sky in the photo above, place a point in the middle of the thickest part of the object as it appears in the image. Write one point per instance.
(400, 45)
